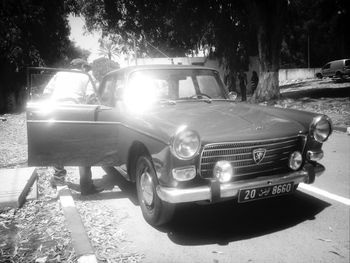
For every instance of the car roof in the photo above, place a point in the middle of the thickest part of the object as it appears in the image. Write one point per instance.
(130, 69)
(338, 60)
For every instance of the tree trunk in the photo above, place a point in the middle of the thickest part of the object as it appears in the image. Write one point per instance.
(269, 20)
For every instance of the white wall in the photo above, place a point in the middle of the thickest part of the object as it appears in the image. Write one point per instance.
(297, 73)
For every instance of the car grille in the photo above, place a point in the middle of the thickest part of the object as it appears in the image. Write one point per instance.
(240, 154)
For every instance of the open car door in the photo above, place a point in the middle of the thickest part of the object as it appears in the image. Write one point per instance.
(64, 133)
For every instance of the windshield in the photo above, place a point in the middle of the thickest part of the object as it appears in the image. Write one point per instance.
(175, 84)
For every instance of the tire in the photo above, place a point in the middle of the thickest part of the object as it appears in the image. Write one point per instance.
(155, 211)
(339, 76)
(319, 75)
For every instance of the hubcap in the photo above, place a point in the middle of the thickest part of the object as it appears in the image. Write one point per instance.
(146, 187)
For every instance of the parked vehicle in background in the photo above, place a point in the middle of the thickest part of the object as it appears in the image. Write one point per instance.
(339, 69)
(178, 134)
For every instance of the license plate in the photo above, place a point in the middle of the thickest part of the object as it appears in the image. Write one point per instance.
(251, 194)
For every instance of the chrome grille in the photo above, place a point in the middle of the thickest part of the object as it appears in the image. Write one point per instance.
(240, 154)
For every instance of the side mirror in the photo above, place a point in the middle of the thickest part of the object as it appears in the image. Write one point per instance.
(232, 95)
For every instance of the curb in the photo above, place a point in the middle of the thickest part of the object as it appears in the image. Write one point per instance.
(80, 239)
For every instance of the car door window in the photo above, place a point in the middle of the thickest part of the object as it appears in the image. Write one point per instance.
(108, 90)
(186, 88)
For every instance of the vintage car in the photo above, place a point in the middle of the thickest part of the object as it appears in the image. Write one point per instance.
(178, 134)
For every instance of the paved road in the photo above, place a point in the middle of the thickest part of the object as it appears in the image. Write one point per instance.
(305, 227)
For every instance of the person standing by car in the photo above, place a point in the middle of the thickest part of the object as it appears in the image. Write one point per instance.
(74, 88)
(242, 77)
(254, 81)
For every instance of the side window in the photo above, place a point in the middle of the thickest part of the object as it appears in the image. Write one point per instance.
(327, 66)
(107, 96)
(186, 88)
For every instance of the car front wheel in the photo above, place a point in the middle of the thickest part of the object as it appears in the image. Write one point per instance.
(155, 211)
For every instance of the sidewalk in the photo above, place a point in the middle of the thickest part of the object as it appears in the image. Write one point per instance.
(15, 184)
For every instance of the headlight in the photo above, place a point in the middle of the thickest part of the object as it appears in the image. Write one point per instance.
(321, 128)
(295, 160)
(186, 144)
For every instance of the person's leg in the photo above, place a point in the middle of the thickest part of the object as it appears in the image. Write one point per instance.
(59, 176)
(86, 184)
(243, 91)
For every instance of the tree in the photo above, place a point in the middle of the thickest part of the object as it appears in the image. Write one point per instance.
(108, 48)
(32, 33)
(231, 29)
(102, 66)
(180, 27)
(314, 38)
(268, 18)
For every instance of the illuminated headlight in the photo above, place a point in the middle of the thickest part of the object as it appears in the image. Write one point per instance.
(295, 160)
(321, 128)
(223, 171)
(184, 173)
(186, 144)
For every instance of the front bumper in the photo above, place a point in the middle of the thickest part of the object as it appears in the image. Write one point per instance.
(216, 191)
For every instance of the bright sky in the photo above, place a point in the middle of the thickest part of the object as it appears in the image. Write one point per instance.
(83, 38)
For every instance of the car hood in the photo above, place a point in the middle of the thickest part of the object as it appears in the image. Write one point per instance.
(219, 121)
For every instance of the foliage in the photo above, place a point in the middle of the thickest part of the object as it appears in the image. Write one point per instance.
(322, 23)
(73, 51)
(230, 30)
(102, 66)
(180, 27)
(111, 47)
(32, 33)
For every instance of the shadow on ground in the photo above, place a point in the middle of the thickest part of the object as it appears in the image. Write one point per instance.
(108, 181)
(228, 222)
(317, 89)
(224, 222)
(317, 93)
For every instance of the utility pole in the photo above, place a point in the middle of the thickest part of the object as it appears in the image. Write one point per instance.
(308, 51)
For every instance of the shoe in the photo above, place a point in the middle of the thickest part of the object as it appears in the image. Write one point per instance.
(91, 190)
(57, 181)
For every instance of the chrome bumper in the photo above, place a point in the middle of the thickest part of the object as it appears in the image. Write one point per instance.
(230, 190)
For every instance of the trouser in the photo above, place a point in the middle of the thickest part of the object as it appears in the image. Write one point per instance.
(85, 178)
(59, 172)
(244, 93)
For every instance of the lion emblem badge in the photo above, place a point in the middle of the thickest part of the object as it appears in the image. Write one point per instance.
(258, 155)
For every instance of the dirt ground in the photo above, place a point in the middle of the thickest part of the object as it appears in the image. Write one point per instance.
(36, 232)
